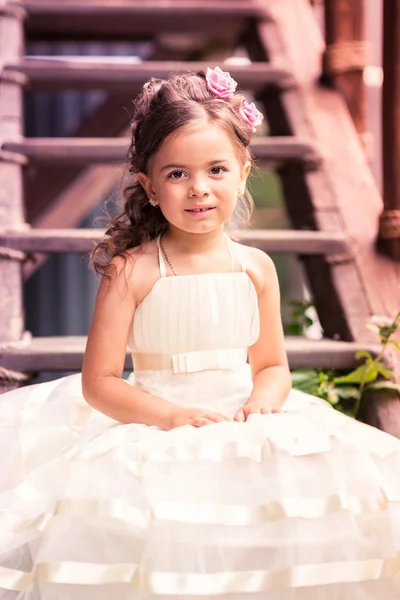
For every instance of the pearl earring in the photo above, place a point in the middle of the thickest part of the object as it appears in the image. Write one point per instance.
(152, 202)
(240, 192)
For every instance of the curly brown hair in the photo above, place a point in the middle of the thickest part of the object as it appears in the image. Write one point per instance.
(162, 107)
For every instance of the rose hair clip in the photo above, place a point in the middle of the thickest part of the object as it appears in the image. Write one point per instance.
(222, 85)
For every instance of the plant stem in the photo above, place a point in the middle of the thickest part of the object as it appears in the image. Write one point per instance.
(374, 362)
(363, 382)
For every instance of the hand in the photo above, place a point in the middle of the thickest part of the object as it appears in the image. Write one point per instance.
(196, 417)
(257, 407)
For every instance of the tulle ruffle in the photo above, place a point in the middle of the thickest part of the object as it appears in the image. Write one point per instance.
(293, 506)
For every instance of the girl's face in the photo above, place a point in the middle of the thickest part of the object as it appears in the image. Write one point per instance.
(195, 177)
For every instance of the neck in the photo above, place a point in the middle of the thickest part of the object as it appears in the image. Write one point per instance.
(193, 243)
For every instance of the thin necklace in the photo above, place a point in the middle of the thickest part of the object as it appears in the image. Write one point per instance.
(166, 257)
(169, 262)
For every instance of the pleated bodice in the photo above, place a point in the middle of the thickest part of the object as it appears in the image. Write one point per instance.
(197, 312)
(184, 313)
(191, 334)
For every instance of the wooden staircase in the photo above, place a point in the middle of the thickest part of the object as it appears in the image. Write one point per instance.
(330, 195)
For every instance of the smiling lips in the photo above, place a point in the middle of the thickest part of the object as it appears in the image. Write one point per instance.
(199, 209)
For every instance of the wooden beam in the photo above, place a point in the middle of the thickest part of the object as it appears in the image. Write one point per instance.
(11, 198)
(45, 187)
(83, 240)
(117, 73)
(389, 222)
(346, 54)
(70, 151)
(135, 19)
(66, 354)
(51, 193)
(308, 196)
(91, 185)
(341, 196)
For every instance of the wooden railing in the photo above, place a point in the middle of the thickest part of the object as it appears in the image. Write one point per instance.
(345, 58)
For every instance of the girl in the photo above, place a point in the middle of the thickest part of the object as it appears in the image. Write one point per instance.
(188, 481)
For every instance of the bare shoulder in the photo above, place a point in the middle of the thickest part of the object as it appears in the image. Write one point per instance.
(259, 266)
(134, 273)
(142, 269)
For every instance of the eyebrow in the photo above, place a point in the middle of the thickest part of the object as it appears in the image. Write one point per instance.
(218, 161)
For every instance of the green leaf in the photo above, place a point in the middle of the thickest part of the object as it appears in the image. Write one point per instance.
(296, 314)
(348, 392)
(395, 344)
(363, 354)
(384, 371)
(305, 380)
(319, 393)
(383, 385)
(294, 329)
(304, 374)
(323, 376)
(365, 373)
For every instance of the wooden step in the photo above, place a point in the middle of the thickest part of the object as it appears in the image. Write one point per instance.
(128, 73)
(73, 19)
(66, 354)
(71, 151)
(83, 240)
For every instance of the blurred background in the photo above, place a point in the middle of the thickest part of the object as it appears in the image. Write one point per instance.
(322, 198)
(67, 309)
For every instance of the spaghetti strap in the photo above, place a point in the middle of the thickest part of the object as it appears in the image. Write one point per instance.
(163, 268)
(161, 262)
(233, 256)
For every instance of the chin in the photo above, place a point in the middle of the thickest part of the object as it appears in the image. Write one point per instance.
(200, 226)
(204, 227)
(195, 225)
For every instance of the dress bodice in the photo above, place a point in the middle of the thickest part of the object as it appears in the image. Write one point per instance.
(199, 312)
(191, 334)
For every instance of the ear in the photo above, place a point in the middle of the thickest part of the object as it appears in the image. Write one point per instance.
(146, 184)
(245, 172)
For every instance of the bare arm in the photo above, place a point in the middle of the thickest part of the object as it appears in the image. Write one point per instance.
(104, 359)
(268, 359)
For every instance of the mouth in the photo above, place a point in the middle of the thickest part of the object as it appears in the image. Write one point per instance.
(199, 209)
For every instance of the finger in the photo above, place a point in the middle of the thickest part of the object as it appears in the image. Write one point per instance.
(205, 422)
(266, 411)
(223, 417)
(216, 418)
(201, 421)
(240, 416)
(253, 410)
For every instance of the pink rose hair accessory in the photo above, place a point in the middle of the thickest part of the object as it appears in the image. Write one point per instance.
(220, 83)
(251, 114)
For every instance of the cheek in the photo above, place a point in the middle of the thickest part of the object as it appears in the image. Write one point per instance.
(170, 203)
(227, 191)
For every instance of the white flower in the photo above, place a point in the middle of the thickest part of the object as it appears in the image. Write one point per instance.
(381, 321)
(378, 321)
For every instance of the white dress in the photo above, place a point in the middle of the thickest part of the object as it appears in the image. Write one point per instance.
(302, 505)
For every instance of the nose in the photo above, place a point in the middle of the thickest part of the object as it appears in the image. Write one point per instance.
(198, 188)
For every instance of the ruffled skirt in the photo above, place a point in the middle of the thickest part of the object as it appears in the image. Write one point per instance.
(302, 505)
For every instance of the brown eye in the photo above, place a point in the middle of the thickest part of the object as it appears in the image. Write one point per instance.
(175, 175)
(218, 170)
